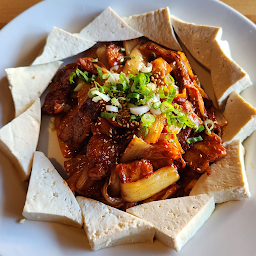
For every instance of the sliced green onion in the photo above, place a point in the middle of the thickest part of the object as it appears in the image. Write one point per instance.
(166, 107)
(163, 92)
(95, 60)
(71, 78)
(199, 128)
(142, 129)
(106, 76)
(122, 49)
(83, 75)
(146, 99)
(107, 115)
(133, 95)
(100, 74)
(147, 119)
(171, 95)
(123, 80)
(209, 125)
(194, 139)
(115, 102)
(156, 105)
(170, 78)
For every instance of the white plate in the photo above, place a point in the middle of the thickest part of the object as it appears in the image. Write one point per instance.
(232, 228)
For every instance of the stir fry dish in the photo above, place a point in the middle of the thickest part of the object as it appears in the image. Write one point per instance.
(133, 123)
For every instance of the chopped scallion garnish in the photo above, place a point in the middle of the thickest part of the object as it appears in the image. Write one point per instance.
(166, 107)
(209, 125)
(100, 74)
(147, 119)
(156, 105)
(107, 115)
(194, 139)
(71, 78)
(83, 75)
(169, 80)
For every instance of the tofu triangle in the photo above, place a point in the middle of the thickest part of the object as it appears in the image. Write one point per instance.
(49, 198)
(108, 26)
(176, 220)
(198, 39)
(241, 118)
(106, 226)
(227, 76)
(156, 26)
(60, 45)
(19, 138)
(227, 180)
(29, 83)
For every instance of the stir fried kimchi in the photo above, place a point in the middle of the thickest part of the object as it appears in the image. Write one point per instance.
(133, 123)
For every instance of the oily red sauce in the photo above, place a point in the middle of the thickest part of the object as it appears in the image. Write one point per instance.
(93, 144)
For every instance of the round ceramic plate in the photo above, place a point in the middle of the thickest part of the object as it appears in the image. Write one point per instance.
(231, 230)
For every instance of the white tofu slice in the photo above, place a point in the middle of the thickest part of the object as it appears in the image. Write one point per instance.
(241, 118)
(156, 26)
(49, 198)
(227, 76)
(60, 45)
(19, 138)
(176, 220)
(227, 180)
(198, 39)
(29, 83)
(108, 26)
(106, 226)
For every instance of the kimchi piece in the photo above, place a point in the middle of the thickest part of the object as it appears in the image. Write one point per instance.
(134, 123)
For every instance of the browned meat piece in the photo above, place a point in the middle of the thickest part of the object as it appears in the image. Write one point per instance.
(76, 130)
(63, 74)
(80, 162)
(204, 152)
(102, 150)
(75, 126)
(130, 172)
(114, 55)
(92, 108)
(182, 136)
(56, 99)
(98, 172)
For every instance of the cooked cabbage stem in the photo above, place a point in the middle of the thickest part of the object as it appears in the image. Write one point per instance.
(146, 187)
